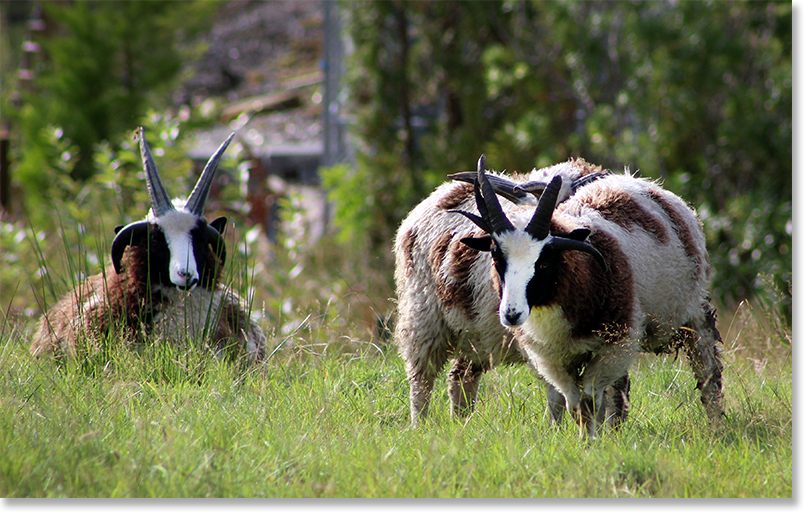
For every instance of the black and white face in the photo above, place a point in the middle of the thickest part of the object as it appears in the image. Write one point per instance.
(179, 250)
(177, 229)
(516, 256)
(528, 268)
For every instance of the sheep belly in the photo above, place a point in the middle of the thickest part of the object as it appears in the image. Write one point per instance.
(191, 317)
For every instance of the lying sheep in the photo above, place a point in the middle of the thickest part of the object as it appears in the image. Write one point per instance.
(450, 293)
(164, 281)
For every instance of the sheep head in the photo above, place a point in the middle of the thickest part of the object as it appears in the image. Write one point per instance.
(176, 233)
(525, 258)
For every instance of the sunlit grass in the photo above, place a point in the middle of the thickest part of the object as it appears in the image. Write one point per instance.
(327, 414)
(309, 423)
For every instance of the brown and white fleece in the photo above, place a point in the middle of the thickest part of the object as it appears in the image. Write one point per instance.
(136, 306)
(585, 329)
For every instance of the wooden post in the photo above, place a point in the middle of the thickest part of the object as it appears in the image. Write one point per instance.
(5, 174)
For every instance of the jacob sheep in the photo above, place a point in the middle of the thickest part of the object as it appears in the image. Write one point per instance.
(589, 312)
(164, 280)
(447, 308)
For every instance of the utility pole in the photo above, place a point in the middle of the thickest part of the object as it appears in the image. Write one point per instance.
(335, 146)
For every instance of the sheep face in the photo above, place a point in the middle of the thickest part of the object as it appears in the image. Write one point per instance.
(176, 236)
(178, 248)
(526, 257)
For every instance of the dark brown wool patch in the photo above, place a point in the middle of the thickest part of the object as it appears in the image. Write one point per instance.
(438, 251)
(228, 330)
(131, 290)
(680, 228)
(406, 244)
(592, 300)
(619, 208)
(455, 290)
(453, 287)
(457, 195)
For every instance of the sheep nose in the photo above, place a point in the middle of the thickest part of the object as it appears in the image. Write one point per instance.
(190, 280)
(513, 317)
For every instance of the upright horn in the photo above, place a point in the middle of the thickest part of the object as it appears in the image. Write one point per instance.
(490, 207)
(196, 201)
(540, 225)
(161, 202)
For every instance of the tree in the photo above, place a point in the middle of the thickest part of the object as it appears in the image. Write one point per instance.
(698, 94)
(105, 65)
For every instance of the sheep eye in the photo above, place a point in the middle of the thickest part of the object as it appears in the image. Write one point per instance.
(497, 254)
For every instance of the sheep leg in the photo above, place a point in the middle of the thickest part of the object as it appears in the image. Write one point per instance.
(556, 405)
(702, 347)
(463, 382)
(608, 369)
(421, 388)
(616, 402)
(614, 410)
(588, 413)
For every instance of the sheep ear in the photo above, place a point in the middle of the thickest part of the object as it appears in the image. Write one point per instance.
(479, 243)
(217, 242)
(579, 234)
(119, 228)
(220, 224)
(127, 235)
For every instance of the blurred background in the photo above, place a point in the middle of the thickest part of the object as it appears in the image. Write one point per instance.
(347, 114)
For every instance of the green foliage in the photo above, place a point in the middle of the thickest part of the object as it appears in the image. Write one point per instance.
(104, 63)
(698, 94)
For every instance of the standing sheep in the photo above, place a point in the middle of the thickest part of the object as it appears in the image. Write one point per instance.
(447, 308)
(164, 281)
(450, 292)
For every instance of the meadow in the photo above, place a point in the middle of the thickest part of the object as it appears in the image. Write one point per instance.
(327, 414)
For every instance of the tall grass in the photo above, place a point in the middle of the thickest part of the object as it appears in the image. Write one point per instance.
(327, 414)
(169, 423)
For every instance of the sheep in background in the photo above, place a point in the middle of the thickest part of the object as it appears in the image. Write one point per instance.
(450, 304)
(164, 281)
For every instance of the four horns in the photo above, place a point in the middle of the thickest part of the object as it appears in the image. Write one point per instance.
(493, 220)
(161, 202)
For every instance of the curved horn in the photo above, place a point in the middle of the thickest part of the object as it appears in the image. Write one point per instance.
(560, 243)
(479, 221)
(196, 201)
(502, 186)
(540, 223)
(532, 187)
(537, 187)
(488, 205)
(218, 243)
(161, 202)
(584, 180)
(126, 236)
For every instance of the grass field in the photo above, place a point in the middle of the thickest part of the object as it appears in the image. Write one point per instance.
(327, 414)
(317, 421)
